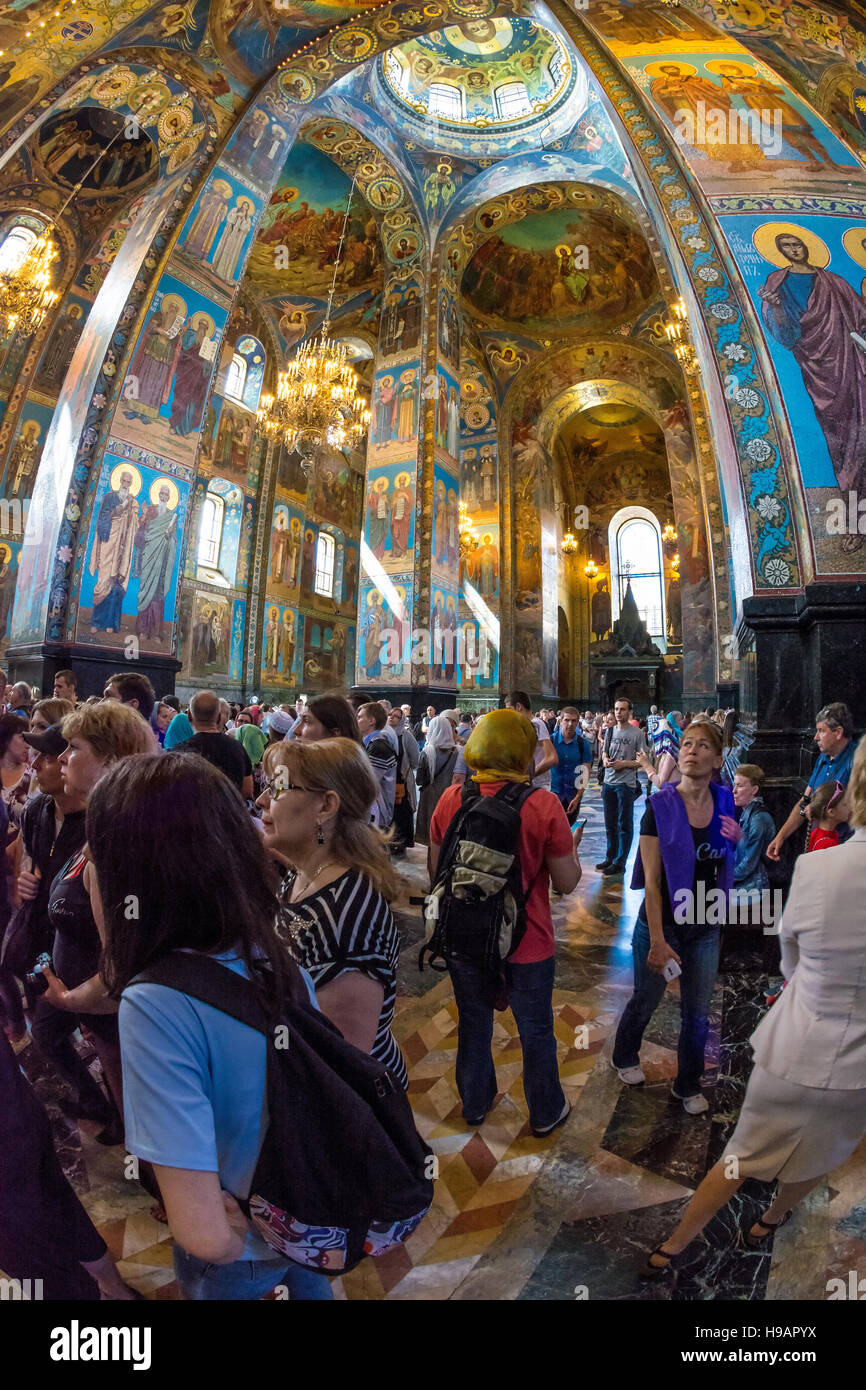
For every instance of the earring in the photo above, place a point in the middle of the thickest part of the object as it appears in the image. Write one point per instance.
(320, 835)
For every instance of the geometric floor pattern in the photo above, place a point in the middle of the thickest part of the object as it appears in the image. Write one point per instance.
(515, 1217)
(482, 1173)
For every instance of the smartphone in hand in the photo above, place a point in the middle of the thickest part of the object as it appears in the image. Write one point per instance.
(671, 970)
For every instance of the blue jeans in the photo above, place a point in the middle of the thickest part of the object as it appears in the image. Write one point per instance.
(699, 953)
(618, 804)
(201, 1282)
(529, 990)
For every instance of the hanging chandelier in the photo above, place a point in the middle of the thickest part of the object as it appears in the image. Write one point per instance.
(466, 537)
(590, 569)
(318, 402)
(568, 544)
(669, 534)
(26, 296)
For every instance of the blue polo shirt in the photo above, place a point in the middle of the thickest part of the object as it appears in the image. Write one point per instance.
(836, 769)
(571, 756)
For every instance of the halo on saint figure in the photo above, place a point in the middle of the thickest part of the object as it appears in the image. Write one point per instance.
(400, 592)
(402, 479)
(174, 304)
(450, 603)
(854, 241)
(562, 250)
(222, 187)
(740, 69)
(438, 598)
(118, 472)
(373, 597)
(173, 494)
(202, 317)
(273, 612)
(5, 552)
(683, 69)
(381, 485)
(180, 153)
(408, 375)
(487, 539)
(245, 205)
(452, 495)
(296, 523)
(764, 241)
(385, 381)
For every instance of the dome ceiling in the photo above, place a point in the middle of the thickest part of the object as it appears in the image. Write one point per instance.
(481, 73)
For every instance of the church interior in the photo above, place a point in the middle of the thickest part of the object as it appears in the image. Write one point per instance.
(595, 441)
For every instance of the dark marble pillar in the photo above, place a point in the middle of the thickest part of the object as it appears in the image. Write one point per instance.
(807, 649)
(37, 664)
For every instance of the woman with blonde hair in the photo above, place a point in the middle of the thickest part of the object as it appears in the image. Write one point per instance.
(48, 712)
(804, 1112)
(97, 736)
(333, 905)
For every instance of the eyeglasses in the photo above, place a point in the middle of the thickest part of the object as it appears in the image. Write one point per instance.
(276, 788)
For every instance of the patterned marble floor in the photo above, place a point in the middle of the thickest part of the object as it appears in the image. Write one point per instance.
(567, 1217)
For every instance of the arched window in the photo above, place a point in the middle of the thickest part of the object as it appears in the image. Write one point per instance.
(557, 66)
(445, 100)
(236, 378)
(325, 551)
(16, 244)
(636, 556)
(210, 531)
(512, 100)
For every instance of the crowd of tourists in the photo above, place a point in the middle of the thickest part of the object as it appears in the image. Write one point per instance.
(175, 875)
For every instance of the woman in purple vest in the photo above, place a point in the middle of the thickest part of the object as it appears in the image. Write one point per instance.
(686, 851)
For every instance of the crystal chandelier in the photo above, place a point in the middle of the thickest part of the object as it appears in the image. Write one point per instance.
(590, 569)
(669, 535)
(318, 402)
(467, 539)
(568, 544)
(26, 296)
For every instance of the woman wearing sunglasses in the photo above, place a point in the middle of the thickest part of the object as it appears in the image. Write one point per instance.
(333, 913)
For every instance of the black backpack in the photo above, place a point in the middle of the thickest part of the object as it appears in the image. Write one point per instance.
(342, 1172)
(476, 911)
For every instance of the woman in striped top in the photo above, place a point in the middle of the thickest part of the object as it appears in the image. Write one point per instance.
(333, 908)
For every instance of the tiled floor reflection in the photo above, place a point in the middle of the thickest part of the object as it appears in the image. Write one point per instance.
(571, 1216)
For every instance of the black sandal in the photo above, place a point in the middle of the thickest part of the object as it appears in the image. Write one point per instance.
(770, 1227)
(651, 1271)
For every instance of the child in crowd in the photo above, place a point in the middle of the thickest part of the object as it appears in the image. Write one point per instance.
(828, 809)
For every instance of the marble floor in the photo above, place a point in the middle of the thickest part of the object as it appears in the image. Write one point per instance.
(571, 1216)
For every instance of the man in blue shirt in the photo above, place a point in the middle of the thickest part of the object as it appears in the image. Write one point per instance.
(834, 730)
(570, 776)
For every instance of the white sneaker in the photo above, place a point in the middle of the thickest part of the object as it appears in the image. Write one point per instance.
(632, 1076)
(693, 1105)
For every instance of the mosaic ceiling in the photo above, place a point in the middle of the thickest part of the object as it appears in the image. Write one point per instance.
(483, 72)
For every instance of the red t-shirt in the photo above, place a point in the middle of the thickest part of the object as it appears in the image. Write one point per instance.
(822, 839)
(544, 830)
